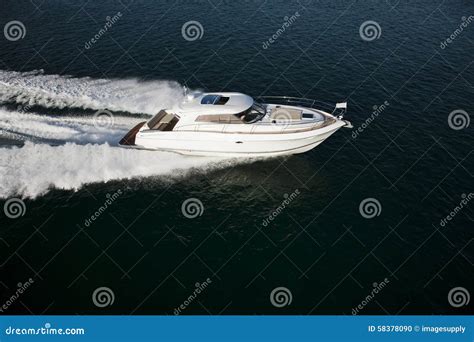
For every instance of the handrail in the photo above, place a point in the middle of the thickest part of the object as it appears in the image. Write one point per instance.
(338, 110)
(304, 102)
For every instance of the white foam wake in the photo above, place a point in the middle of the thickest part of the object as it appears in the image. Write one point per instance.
(55, 91)
(83, 129)
(33, 169)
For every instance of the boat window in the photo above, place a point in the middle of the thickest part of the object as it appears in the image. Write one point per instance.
(214, 100)
(210, 99)
(222, 100)
(253, 114)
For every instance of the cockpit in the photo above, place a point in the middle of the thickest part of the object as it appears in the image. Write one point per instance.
(253, 114)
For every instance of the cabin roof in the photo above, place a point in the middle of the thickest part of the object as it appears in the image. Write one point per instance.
(217, 103)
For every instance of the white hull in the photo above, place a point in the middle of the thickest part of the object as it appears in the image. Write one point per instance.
(234, 144)
(234, 125)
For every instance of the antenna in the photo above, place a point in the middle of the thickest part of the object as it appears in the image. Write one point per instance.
(185, 88)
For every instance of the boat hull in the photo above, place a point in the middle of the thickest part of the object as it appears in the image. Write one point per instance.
(234, 144)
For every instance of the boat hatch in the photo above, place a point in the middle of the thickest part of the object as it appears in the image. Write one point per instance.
(163, 121)
(285, 114)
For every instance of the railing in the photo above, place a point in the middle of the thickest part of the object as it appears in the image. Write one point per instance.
(338, 110)
(296, 101)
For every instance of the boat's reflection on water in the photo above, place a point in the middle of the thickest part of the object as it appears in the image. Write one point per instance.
(255, 187)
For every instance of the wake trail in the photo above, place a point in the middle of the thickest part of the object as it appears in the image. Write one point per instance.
(56, 91)
(84, 151)
(60, 129)
(34, 169)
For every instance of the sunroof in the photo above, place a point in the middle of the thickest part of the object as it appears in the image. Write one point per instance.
(222, 100)
(210, 99)
(214, 99)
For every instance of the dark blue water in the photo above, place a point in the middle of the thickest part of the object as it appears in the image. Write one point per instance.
(319, 247)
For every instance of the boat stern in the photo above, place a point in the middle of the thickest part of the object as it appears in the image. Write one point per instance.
(129, 138)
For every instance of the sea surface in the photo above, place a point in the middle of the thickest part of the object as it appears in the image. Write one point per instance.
(358, 225)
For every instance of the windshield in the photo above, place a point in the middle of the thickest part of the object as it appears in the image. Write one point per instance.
(253, 114)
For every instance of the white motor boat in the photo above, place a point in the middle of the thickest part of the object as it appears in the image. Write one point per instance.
(236, 125)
